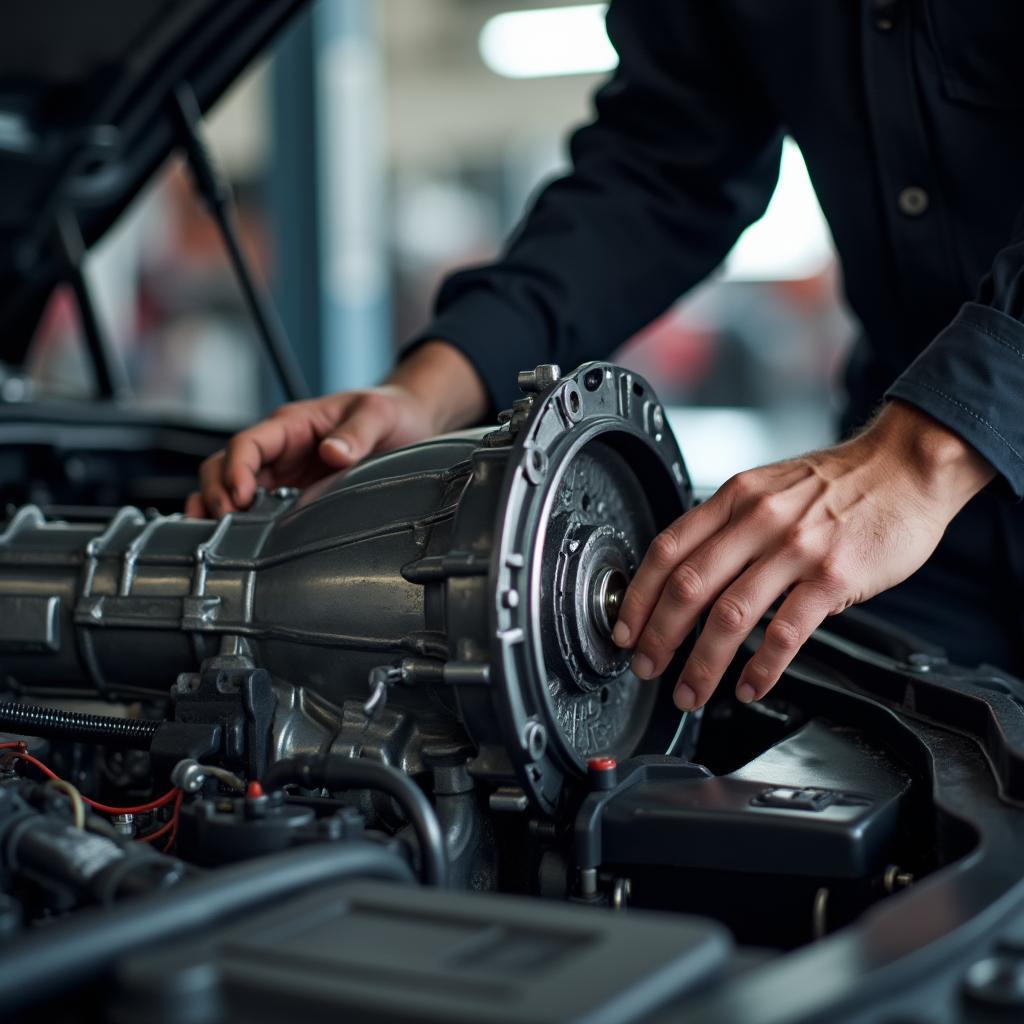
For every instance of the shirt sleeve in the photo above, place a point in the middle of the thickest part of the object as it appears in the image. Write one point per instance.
(683, 154)
(971, 376)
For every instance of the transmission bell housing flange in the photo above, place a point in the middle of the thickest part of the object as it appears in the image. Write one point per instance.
(473, 580)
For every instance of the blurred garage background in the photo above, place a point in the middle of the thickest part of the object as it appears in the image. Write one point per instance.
(385, 142)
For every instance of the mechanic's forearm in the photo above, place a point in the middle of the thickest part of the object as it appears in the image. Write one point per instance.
(948, 470)
(445, 382)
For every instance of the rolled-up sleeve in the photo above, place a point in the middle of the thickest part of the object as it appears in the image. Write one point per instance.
(971, 376)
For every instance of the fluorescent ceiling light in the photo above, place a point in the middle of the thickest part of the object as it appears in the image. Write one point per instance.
(791, 242)
(548, 41)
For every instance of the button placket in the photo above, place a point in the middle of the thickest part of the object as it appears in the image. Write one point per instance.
(905, 163)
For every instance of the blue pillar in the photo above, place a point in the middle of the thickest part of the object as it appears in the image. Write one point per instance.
(351, 190)
(291, 199)
(327, 194)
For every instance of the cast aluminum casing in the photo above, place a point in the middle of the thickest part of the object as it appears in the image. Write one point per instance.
(460, 583)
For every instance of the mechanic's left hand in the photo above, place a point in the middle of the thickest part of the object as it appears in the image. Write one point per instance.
(829, 530)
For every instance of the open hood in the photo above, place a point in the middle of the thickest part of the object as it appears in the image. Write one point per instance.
(87, 116)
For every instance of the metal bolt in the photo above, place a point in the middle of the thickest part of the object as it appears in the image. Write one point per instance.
(124, 824)
(588, 881)
(622, 889)
(895, 878)
(521, 408)
(535, 739)
(539, 379)
(997, 981)
(657, 419)
(819, 914)
(919, 661)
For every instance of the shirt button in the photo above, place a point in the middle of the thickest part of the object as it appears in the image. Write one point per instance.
(912, 201)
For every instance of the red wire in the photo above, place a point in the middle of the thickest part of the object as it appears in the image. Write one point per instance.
(152, 805)
(169, 827)
(168, 846)
(161, 831)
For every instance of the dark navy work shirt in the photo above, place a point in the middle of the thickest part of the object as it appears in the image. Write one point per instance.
(910, 114)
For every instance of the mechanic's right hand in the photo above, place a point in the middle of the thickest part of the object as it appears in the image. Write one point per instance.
(433, 390)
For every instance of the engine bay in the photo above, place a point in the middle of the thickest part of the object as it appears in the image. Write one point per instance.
(369, 749)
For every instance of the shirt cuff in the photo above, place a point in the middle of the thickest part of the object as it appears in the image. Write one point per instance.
(971, 379)
(494, 336)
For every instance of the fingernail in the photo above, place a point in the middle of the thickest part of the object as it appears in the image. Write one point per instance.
(685, 698)
(620, 634)
(642, 666)
(340, 445)
(745, 693)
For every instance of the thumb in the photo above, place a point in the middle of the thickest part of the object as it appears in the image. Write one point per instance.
(367, 423)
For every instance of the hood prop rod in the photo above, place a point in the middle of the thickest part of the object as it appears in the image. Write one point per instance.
(111, 381)
(215, 191)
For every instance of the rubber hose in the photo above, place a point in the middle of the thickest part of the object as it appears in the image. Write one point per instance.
(41, 965)
(334, 772)
(56, 723)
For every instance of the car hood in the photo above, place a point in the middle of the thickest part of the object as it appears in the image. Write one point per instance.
(86, 118)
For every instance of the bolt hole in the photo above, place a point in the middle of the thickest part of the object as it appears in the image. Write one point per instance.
(585, 502)
(537, 459)
(638, 390)
(606, 695)
(536, 742)
(574, 401)
(593, 379)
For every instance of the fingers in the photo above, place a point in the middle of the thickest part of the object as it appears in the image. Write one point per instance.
(731, 620)
(214, 498)
(803, 611)
(688, 590)
(667, 551)
(272, 452)
(246, 455)
(194, 507)
(369, 421)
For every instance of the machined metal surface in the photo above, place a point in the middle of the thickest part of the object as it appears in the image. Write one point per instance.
(454, 598)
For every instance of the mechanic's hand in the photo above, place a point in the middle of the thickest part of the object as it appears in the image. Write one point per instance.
(433, 390)
(829, 530)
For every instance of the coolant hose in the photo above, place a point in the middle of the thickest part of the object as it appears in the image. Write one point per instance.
(335, 772)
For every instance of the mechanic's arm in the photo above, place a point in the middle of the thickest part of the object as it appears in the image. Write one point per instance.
(836, 527)
(682, 156)
(434, 389)
(828, 530)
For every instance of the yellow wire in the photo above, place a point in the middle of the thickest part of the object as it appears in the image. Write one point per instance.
(77, 803)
